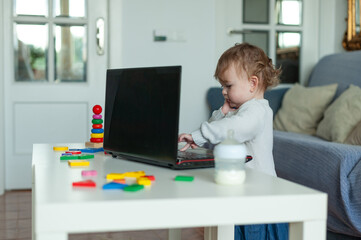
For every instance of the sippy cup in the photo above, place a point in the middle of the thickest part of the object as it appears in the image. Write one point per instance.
(229, 159)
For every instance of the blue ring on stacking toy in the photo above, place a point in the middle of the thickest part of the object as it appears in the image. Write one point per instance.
(97, 130)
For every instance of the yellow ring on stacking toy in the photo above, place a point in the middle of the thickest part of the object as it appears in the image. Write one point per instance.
(97, 135)
(60, 148)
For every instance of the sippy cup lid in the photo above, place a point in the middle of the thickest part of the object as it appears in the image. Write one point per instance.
(230, 148)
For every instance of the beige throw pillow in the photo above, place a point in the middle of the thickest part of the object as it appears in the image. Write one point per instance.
(341, 116)
(355, 136)
(303, 107)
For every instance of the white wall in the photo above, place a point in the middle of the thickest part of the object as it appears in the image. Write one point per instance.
(2, 160)
(132, 23)
(202, 22)
(332, 26)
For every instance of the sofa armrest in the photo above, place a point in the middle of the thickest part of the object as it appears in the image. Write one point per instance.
(275, 97)
(329, 167)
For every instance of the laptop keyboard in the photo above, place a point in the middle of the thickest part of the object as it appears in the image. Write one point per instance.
(191, 155)
(189, 159)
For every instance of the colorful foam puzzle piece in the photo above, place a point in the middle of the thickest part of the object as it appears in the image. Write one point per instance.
(112, 176)
(144, 181)
(114, 185)
(77, 156)
(60, 148)
(89, 150)
(92, 150)
(85, 156)
(133, 188)
(78, 163)
(184, 178)
(74, 152)
(86, 183)
(66, 154)
(87, 173)
(150, 177)
(69, 157)
(135, 174)
(119, 180)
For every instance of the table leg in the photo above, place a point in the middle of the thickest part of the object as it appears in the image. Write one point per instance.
(210, 233)
(224, 232)
(51, 236)
(175, 234)
(310, 230)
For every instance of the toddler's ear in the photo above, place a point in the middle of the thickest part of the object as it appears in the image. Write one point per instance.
(254, 81)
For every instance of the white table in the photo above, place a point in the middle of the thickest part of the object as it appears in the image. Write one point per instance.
(60, 209)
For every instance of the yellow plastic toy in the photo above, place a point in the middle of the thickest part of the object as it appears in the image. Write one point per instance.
(78, 163)
(136, 174)
(60, 148)
(144, 181)
(113, 176)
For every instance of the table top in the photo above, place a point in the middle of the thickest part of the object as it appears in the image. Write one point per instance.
(261, 197)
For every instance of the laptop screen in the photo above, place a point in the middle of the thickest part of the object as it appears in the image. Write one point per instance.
(142, 113)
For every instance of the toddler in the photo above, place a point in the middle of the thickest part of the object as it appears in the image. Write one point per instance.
(245, 73)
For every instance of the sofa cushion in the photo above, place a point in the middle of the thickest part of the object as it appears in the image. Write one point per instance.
(302, 108)
(354, 137)
(341, 116)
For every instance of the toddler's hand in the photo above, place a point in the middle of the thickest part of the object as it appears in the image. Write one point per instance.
(184, 137)
(226, 108)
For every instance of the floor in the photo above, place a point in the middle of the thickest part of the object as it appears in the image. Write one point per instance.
(15, 223)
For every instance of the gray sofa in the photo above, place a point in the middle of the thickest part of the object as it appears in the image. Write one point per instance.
(330, 167)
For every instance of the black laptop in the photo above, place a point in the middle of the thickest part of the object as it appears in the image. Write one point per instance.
(142, 116)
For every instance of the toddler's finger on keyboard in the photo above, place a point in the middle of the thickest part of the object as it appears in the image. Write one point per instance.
(185, 147)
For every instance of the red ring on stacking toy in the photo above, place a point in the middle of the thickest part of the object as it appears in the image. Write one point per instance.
(97, 126)
(96, 140)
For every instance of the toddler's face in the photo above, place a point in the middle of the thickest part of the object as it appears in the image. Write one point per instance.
(237, 89)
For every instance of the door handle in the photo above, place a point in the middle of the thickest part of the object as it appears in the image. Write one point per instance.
(100, 36)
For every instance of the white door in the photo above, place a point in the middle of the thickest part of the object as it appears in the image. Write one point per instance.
(54, 74)
(279, 27)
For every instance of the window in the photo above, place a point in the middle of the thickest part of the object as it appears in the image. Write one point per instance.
(279, 33)
(50, 40)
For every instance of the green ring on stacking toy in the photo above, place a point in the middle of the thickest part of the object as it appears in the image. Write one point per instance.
(97, 121)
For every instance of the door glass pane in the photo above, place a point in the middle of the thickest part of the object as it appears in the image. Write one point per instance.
(33, 7)
(69, 8)
(30, 45)
(255, 11)
(70, 53)
(289, 12)
(288, 55)
(257, 38)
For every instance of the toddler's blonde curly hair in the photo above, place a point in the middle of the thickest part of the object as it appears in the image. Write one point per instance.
(253, 61)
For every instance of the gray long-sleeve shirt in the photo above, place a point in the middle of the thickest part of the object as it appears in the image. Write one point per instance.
(252, 124)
